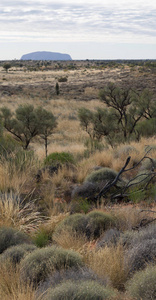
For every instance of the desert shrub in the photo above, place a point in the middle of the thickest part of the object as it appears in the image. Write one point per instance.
(41, 238)
(101, 175)
(82, 290)
(133, 238)
(36, 266)
(59, 157)
(142, 284)
(11, 237)
(148, 164)
(87, 190)
(92, 224)
(111, 236)
(62, 79)
(125, 151)
(7, 146)
(76, 222)
(16, 253)
(141, 254)
(73, 274)
(97, 222)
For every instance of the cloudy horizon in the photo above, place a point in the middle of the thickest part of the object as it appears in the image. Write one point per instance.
(85, 30)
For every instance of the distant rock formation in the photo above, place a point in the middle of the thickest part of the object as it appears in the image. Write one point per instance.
(44, 55)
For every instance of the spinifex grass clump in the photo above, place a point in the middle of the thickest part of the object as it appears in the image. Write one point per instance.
(143, 284)
(98, 222)
(59, 157)
(42, 262)
(102, 174)
(82, 290)
(11, 237)
(91, 224)
(15, 253)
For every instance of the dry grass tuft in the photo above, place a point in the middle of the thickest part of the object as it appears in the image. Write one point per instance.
(109, 262)
(70, 240)
(14, 213)
(11, 287)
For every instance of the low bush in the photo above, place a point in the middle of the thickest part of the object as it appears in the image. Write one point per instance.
(111, 236)
(87, 191)
(141, 254)
(76, 223)
(73, 274)
(62, 79)
(16, 253)
(102, 174)
(82, 290)
(98, 222)
(148, 164)
(143, 284)
(91, 224)
(59, 157)
(36, 266)
(11, 237)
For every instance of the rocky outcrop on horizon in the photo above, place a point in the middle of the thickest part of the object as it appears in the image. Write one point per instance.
(45, 55)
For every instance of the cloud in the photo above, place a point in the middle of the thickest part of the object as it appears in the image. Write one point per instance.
(68, 21)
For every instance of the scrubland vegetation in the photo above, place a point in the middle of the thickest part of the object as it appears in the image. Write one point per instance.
(77, 180)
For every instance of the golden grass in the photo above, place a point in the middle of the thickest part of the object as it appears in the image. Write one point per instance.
(70, 240)
(13, 214)
(11, 287)
(108, 262)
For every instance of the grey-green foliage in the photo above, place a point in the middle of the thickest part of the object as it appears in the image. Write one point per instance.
(74, 274)
(91, 224)
(139, 255)
(148, 164)
(16, 253)
(143, 284)
(103, 174)
(11, 237)
(125, 109)
(27, 123)
(39, 264)
(82, 290)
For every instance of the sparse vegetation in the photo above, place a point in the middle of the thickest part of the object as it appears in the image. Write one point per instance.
(67, 227)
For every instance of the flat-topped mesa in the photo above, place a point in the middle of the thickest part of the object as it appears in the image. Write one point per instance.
(45, 55)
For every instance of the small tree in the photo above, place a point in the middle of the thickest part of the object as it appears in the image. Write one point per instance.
(28, 123)
(57, 88)
(47, 125)
(7, 66)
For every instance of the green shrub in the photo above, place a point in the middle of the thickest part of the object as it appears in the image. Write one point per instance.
(16, 253)
(41, 239)
(11, 237)
(62, 79)
(97, 222)
(82, 290)
(102, 174)
(36, 266)
(76, 222)
(59, 157)
(92, 224)
(143, 284)
(7, 146)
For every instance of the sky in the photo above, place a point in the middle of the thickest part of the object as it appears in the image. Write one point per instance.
(85, 29)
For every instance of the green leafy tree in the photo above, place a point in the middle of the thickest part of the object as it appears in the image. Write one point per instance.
(27, 123)
(7, 66)
(47, 125)
(118, 122)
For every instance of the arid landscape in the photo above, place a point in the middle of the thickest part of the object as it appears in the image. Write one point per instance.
(78, 221)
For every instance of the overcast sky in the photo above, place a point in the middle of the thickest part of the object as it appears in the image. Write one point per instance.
(106, 29)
